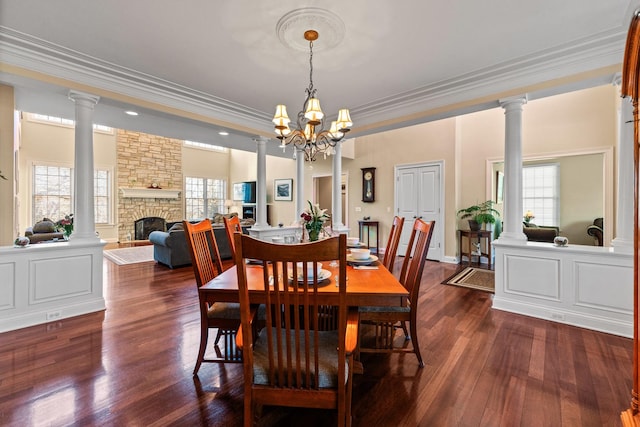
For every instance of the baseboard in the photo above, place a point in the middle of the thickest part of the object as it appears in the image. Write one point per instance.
(51, 314)
(587, 321)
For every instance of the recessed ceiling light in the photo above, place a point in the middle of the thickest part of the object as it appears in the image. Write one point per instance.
(223, 133)
(131, 113)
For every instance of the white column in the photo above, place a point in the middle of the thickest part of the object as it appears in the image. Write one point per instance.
(512, 214)
(336, 188)
(84, 217)
(301, 202)
(261, 190)
(623, 240)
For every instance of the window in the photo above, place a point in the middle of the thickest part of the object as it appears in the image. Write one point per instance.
(540, 193)
(195, 144)
(42, 118)
(204, 197)
(53, 191)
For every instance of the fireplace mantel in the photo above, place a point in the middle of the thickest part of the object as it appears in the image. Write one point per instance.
(149, 193)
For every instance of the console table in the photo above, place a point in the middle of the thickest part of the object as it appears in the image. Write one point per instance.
(475, 237)
(366, 227)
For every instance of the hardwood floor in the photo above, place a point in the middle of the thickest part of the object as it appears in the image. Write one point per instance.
(131, 366)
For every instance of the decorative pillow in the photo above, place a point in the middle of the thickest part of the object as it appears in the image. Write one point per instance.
(217, 219)
(176, 227)
(44, 226)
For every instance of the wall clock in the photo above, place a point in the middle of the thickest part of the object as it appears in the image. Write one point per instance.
(368, 184)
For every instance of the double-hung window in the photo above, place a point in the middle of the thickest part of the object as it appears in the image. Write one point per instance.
(540, 193)
(204, 197)
(53, 193)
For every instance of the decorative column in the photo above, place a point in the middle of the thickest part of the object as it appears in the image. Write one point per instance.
(84, 216)
(301, 202)
(512, 230)
(623, 240)
(336, 187)
(261, 190)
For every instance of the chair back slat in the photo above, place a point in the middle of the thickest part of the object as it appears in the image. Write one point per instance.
(295, 320)
(416, 257)
(205, 257)
(392, 244)
(232, 225)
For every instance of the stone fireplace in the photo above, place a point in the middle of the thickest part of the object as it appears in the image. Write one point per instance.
(152, 164)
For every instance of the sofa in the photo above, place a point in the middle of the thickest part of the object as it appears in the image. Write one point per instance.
(170, 247)
(43, 231)
(540, 233)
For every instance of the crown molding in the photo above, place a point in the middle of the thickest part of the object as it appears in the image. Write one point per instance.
(35, 54)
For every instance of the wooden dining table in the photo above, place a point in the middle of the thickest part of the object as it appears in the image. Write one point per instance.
(365, 287)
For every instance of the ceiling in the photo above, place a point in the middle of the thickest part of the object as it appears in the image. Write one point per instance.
(194, 67)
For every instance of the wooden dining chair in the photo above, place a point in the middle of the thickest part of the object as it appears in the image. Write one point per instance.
(391, 250)
(232, 225)
(225, 317)
(387, 319)
(292, 361)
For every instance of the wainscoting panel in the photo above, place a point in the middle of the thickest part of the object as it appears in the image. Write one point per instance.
(49, 282)
(536, 277)
(586, 286)
(7, 285)
(603, 287)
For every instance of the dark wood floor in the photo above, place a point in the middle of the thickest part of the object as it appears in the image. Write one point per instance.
(131, 366)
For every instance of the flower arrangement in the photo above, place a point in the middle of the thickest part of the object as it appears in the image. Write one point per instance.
(528, 216)
(313, 220)
(65, 225)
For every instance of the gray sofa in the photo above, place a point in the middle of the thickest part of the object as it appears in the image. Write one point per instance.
(170, 247)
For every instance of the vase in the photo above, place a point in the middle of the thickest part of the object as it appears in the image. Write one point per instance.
(314, 235)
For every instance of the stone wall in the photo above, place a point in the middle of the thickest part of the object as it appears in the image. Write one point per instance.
(143, 160)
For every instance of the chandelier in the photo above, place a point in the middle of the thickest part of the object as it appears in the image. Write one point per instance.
(310, 135)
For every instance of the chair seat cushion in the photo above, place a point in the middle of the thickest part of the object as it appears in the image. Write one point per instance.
(231, 310)
(394, 309)
(328, 363)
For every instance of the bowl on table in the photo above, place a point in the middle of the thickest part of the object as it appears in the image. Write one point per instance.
(353, 241)
(309, 269)
(360, 254)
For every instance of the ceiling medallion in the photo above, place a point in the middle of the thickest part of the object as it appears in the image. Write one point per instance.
(296, 22)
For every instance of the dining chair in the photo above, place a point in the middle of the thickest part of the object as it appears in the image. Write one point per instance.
(292, 361)
(391, 249)
(225, 317)
(232, 225)
(387, 319)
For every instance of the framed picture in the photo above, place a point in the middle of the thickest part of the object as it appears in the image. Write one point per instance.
(368, 185)
(282, 189)
(499, 186)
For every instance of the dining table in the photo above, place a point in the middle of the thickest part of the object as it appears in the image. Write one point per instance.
(371, 285)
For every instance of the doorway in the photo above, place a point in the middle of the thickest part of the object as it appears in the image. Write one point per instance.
(419, 194)
(323, 195)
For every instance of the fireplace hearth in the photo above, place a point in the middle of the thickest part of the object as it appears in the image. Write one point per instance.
(144, 226)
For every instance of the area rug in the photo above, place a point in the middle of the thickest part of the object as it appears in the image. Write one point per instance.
(134, 255)
(474, 278)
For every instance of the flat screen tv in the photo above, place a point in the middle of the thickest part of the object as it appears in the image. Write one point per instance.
(244, 192)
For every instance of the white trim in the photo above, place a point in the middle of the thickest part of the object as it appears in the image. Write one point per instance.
(149, 193)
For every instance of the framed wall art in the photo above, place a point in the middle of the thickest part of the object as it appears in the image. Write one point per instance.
(283, 189)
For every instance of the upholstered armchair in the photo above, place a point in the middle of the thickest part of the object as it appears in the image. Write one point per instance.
(596, 229)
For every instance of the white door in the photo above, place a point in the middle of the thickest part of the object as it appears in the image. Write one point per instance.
(418, 195)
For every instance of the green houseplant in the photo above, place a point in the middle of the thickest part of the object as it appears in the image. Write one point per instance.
(479, 214)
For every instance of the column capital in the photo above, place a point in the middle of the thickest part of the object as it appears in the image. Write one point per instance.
(76, 96)
(513, 101)
(617, 79)
(261, 139)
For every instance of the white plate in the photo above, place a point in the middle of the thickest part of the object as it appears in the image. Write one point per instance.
(323, 275)
(371, 259)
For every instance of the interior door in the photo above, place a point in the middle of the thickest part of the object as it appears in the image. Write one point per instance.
(418, 190)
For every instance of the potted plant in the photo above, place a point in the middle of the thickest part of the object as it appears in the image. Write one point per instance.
(482, 213)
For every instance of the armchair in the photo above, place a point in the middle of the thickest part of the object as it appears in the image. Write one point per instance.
(596, 230)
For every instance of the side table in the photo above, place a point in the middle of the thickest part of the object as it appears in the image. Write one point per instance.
(475, 237)
(365, 228)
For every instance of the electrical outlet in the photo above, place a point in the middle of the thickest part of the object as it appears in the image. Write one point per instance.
(358, 209)
(557, 316)
(53, 315)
